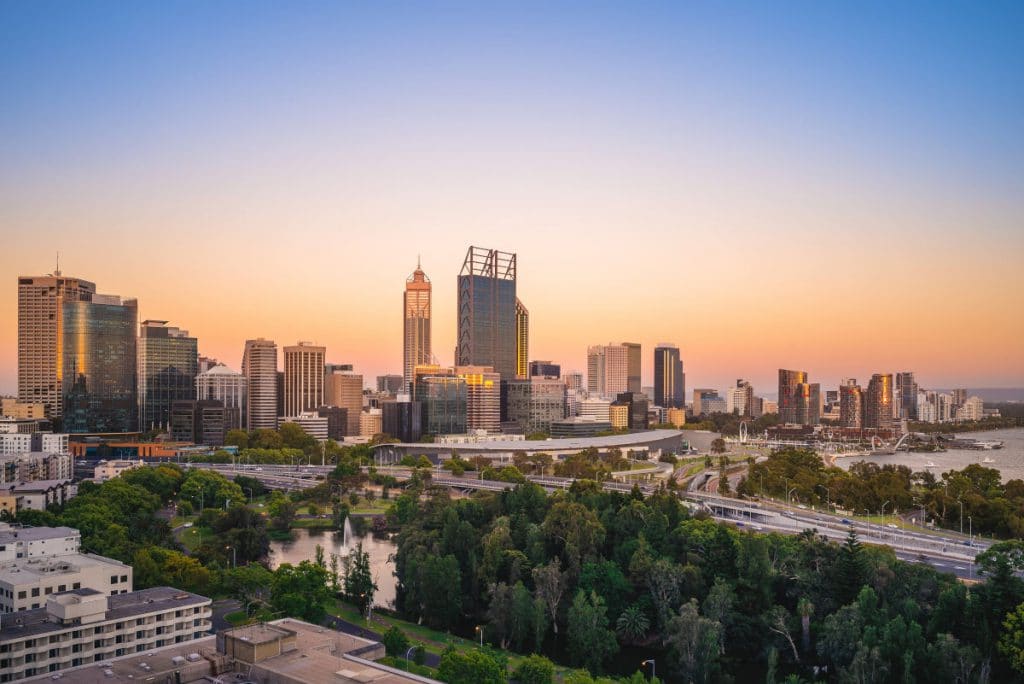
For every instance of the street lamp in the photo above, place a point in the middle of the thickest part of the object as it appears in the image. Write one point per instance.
(789, 491)
(480, 629)
(970, 529)
(961, 502)
(654, 674)
(234, 555)
(883, 510)
(410, 650)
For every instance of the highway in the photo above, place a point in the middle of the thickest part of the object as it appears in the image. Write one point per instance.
(945, 550)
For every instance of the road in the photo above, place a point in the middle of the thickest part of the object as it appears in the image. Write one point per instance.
(946, 551)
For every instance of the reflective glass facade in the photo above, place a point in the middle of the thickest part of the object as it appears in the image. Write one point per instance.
(97, 351)
(168, 364)
(669, 390)
(444, 404)
(487, 312)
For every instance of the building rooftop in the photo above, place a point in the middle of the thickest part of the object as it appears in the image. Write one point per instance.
(25, 570)
(32, 623)
(567, 444)
(14, 533)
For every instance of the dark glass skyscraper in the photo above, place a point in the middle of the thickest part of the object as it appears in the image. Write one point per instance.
(799, 401)
(487, 311)
(97, 350)
(168, 364)
(669, 388)
(906, 387)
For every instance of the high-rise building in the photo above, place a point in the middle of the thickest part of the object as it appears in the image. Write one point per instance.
(609, 369)
(483, 398)
(545, 369)
(906, 389)
(522, 340)
(536, 402)
(633, 366)
(417, 315)
(392, 384)
(799, 401)
(259, 366)
(702, 398)
(444, 399)
(198, 421)
(878, 403)
(167, 369)
(222, 384)
(851, 404)
(303, 378)
(973, 408)
(345, 390)
(637, 409)
(370, 422)
(487, 312)
(402, 419)
(740, 399)
(595, 408)
(98, 367)
(669, 388)
(40, 323)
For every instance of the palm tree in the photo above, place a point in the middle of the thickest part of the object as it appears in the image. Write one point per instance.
(633, 624)
(805, 609)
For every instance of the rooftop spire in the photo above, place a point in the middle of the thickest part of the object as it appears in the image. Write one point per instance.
(57, 271)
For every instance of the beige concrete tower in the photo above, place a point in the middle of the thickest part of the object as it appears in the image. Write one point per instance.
(259, 366)
(303, 378)
(416, 312)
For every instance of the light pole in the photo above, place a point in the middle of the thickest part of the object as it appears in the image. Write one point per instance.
(410, 650)
(788, 492)
(654, 674)
(480, 629)
(250, 495)
(961, 502)
(970, 529)
(883, 510)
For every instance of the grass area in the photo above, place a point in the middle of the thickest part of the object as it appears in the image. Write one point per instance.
(313, 523)
(193, 537)
(400, 664)
(433, 641)
(376, 507)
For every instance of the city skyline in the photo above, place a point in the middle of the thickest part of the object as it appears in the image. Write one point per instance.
(735, 185)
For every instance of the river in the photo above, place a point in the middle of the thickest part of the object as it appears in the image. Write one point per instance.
(1009, 460)
(303, 547)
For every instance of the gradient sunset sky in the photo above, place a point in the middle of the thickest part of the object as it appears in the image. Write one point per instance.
(837, 188)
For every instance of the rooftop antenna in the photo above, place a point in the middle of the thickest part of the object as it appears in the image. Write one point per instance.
(57, 272)
(418, 263)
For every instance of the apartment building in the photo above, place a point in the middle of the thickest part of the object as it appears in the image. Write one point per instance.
(26, 583)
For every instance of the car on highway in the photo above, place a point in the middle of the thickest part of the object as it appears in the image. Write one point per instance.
(802, 507)
(844, 521)
(893, 526)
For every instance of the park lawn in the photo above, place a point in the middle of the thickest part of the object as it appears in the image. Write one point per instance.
(193, 537)
(376, 507)
(313, 523)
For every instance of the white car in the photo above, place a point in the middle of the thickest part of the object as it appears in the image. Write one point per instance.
(893, 526)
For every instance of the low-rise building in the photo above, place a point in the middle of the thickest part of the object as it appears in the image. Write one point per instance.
(32, 466)
(35, 495)
(108, 470)
(20, 541)
(25, 583)
(579, 426)
(23, 410)
(313, 423)
(84, 626)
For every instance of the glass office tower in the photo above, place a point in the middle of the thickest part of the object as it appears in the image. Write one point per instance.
(669, 390)
(168, 365)
(487, 311)
(97, 351)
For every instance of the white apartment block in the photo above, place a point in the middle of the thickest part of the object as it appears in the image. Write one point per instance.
(108, 470)
(598, 409)
(26, 583)
(32, 466)
(17, 542)
(972, 409)
(24, 442)
(84, 626)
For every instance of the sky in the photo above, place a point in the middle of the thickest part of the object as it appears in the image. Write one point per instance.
(832, 187)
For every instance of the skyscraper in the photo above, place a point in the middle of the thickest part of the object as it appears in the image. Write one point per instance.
(878, 402)
(595, 371)
(669, 390)
(98, 364)
(416, 336)
(534, 403)
(222, 384)
(633, 366)
(522, 340)
(851, 404)
(740, 399)
(303, 378)
(609, 369)
(545, 369)
(906, 387)
(40, 321)
(259, 366)
(443, 397)
(487, 312)
(483, 398)
(345, 390)
(799, 401)
(168, 363)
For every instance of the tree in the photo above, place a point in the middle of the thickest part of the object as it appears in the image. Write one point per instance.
(535, 669)
(850, 572)
(591, 643)
(805, 609)
(550, 583)
(694, 643)
(238, 438)
(633, 624)
(1011, 643)
(395, 642)
(777, 621)
(205, 488)
(300, 590)
(358, 579)
(251, 584)
(469, 667)
(718, 446)
(282, 511)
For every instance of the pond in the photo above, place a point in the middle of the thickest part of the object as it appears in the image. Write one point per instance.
(303, 547)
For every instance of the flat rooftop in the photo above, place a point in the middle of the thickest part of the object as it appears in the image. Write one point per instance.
(10, 533)
(24, 570)
(32, 623)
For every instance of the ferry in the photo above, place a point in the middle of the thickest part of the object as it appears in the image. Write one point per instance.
(988, 460)
(930, 464)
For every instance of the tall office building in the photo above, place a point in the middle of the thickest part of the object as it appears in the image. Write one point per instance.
(416, 312)
(522, 340)
(545, 369)
(609, 369)
(259, 366)
(740, 399)
(392, 384)
(487, 312)
(633, 367)
(230, 388)
(443, 396)
(345, 390)
(906, 389)
(669, 387)
(40, 322)
(703, 399)
(534, 403)
(483, 398)
(167, 369)
(878, 402)
(799, 401)
(303, 378)
(98, 364)
(851, 404)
